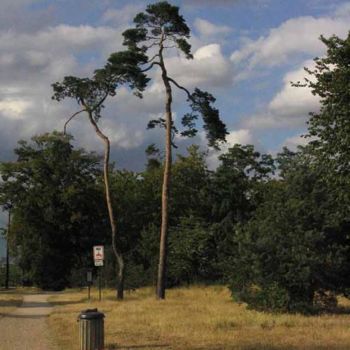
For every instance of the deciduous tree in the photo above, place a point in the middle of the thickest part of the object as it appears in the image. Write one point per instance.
(55, 197)
(330, 127)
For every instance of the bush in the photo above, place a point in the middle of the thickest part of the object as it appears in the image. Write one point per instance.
(268, 298)
(293, 249)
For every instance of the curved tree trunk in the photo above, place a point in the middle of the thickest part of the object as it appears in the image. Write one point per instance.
(160, 292)
(120, 261)
(7, 276)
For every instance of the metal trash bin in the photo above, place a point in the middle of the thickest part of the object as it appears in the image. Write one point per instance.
(91, 330)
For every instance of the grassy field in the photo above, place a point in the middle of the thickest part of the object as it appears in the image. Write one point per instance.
(196, 318)
(9, 300)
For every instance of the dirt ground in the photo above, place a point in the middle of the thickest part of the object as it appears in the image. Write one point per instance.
(26, 327)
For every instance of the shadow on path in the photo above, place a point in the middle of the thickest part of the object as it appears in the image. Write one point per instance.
(146, 346)
(6, 303)
(26, 327)
(25, 316)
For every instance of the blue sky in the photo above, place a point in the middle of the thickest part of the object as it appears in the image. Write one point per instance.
(246, 53)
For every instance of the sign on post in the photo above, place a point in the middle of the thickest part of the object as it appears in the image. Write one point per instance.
(89, 276)
(89, 281)
(98, 255)
(98, 260)
(98, 252)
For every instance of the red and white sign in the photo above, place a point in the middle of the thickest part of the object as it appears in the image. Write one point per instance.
(98, 252)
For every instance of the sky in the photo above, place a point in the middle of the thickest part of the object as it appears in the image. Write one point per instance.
(246, 53)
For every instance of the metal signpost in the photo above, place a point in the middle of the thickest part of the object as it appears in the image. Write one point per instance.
(98, 260)
(89, 281)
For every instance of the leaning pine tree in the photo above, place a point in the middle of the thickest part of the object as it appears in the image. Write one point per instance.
(158, 29)
(91, 95)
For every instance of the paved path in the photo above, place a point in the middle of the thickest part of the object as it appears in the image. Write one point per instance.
(26, 327)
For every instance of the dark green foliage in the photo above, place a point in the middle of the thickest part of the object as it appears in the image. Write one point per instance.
(160, 122)
(131, 206)
(296, 246)
(153, 157)
(124, 68)
(136, 202)
(215, 129)
(281, 241)
(15, 274)
(157, 30)
(190, 186)
(200, 102)
(294, 253)
(133, 36)
(237, 183)
(91, 94)
(148, 251)
(188, 121)
(190, 182)
(331, 125)
(55, 194)
(159, 19)
(204, 208)
(191, 252)
(121, 68)
(87, 92)
(235, 192)
(185, 47)
(163, 14)
(162, 26)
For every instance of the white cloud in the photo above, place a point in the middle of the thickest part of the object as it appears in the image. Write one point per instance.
(120, 135)
(296, 36)
(208, 51)
(291, 100)
(18, 16)
(211, 2)
(209, 67)
(197, 72)
(14, 108)
(32, 57)
(122, 15)
(208, 29)
(30, 62)
(343, 10)
(241, 137)
(60, 39)
(293, 142)
(290, 106)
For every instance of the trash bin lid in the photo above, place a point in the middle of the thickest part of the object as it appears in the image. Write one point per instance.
(91, 314)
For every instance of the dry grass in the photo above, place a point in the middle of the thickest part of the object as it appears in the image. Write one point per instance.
(196, 318)
(9, 300)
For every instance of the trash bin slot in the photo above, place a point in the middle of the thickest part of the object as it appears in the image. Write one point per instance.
(92, 316)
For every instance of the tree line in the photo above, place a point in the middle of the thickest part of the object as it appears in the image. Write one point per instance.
(275, 229)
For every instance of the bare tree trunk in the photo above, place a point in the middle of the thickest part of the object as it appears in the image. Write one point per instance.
(160, 292)
(7, 277)
(120, 261)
